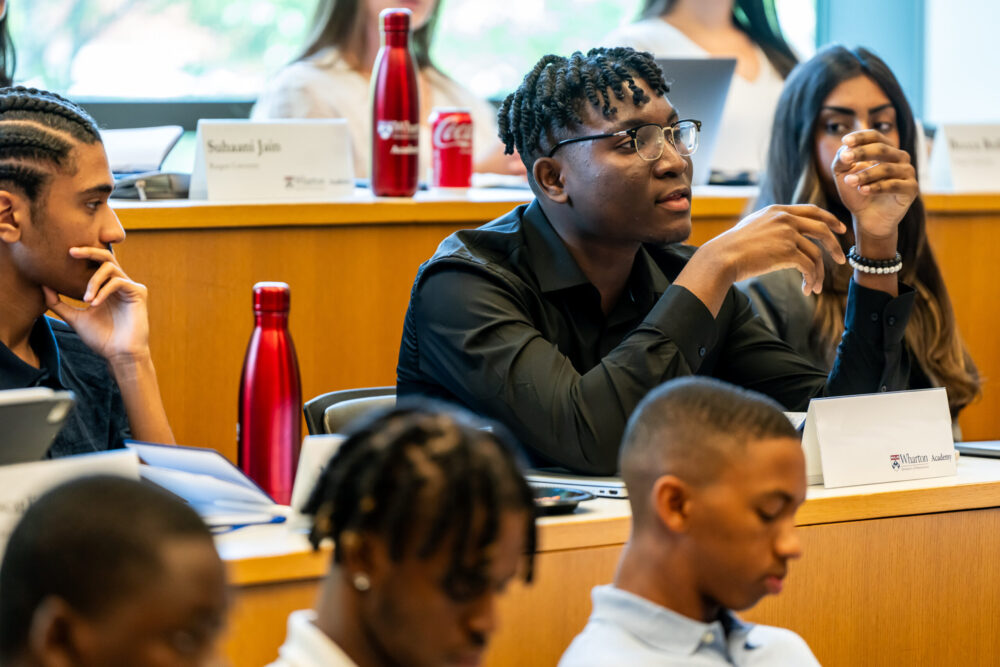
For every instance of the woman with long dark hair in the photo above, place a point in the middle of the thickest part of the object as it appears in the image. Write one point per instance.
(331, 80)
(836, 92)
(746, 30)
(7, 59)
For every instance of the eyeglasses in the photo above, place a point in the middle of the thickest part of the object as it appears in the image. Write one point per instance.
(650, 139)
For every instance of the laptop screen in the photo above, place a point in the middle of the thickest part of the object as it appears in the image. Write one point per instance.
(698, 89)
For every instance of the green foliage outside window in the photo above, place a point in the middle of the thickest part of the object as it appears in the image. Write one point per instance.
(228, 48)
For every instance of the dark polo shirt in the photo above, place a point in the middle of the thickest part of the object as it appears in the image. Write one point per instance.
(502, 320)
(98, 421)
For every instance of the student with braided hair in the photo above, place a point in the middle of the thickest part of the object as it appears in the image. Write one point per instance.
(431, 519)
(558, 317)
(56, 231)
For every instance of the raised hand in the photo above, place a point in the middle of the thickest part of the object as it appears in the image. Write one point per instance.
(115, 323)
(875, 181)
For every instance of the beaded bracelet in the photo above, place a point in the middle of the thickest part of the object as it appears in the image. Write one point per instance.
(879, 266)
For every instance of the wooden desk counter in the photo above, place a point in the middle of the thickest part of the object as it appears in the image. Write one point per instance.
(351, 266)
(893, 574)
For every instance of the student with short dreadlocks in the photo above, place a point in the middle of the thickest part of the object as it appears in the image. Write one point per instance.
(557, 318)
(430, 518)
(56, 231)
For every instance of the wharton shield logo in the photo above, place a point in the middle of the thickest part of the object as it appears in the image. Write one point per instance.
(905, 461)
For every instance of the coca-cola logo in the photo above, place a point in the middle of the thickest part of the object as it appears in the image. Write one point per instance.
(450, 133)
(397, 129)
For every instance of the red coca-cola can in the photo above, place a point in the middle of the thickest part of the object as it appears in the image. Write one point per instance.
(451, 148)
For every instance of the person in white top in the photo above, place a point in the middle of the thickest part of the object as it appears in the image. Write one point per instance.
(431, 519)
(741, 29)
(331, 80)
(715, 474)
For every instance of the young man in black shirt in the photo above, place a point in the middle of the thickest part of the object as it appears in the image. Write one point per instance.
(56, 231)
(558, 317)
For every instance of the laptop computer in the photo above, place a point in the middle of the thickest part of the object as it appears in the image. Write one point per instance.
(698, 89)
(31, 420)
(606, 487)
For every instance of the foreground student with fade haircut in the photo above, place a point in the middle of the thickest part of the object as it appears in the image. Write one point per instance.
(106, 571)
(558, 317)
(56, 231)
(715, 475)
(431, 518)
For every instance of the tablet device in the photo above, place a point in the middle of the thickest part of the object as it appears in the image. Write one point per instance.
(607, 487)
(988, 448)
(698, 89)
(31, 420)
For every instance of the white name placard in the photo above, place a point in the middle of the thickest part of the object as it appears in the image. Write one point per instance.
(877, 438)
(316, 452)
(303, 160)
(966, 158)
(22, 483)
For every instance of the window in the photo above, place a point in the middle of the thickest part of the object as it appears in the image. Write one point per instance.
(156, 49)
(490, 45)
(226, 49)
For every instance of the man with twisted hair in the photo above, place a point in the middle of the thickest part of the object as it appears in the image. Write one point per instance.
(431, 519)
(558, 317)
(56, 231)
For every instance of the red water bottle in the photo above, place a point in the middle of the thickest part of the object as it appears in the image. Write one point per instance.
(395, 110)
(270, 396)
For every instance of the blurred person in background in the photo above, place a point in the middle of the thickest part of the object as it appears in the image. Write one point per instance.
(431, 519)
(331, 80)
(746, 30)
(838, 92)
(7, 58)
(106, 571)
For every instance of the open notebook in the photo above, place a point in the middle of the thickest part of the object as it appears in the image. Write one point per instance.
(214, 487)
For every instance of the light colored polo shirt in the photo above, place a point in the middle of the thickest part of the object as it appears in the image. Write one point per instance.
(625, 629)
(307, 646)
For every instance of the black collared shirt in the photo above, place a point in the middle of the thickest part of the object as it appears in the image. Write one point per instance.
(502, 320)
(98, 420)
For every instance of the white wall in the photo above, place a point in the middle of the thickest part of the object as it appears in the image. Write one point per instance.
(962, 61)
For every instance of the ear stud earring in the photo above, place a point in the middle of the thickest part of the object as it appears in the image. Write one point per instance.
(361, 582)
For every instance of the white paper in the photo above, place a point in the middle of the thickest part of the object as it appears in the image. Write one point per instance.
(193, 460)
(22, 483)
(196, 488)
(316, 452)
(966, 158)
(214, 487)
(882, 437)
(300, 160)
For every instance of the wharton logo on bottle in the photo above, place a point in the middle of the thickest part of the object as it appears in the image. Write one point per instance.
(304, 159)
(398, 130)
(875, 438)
